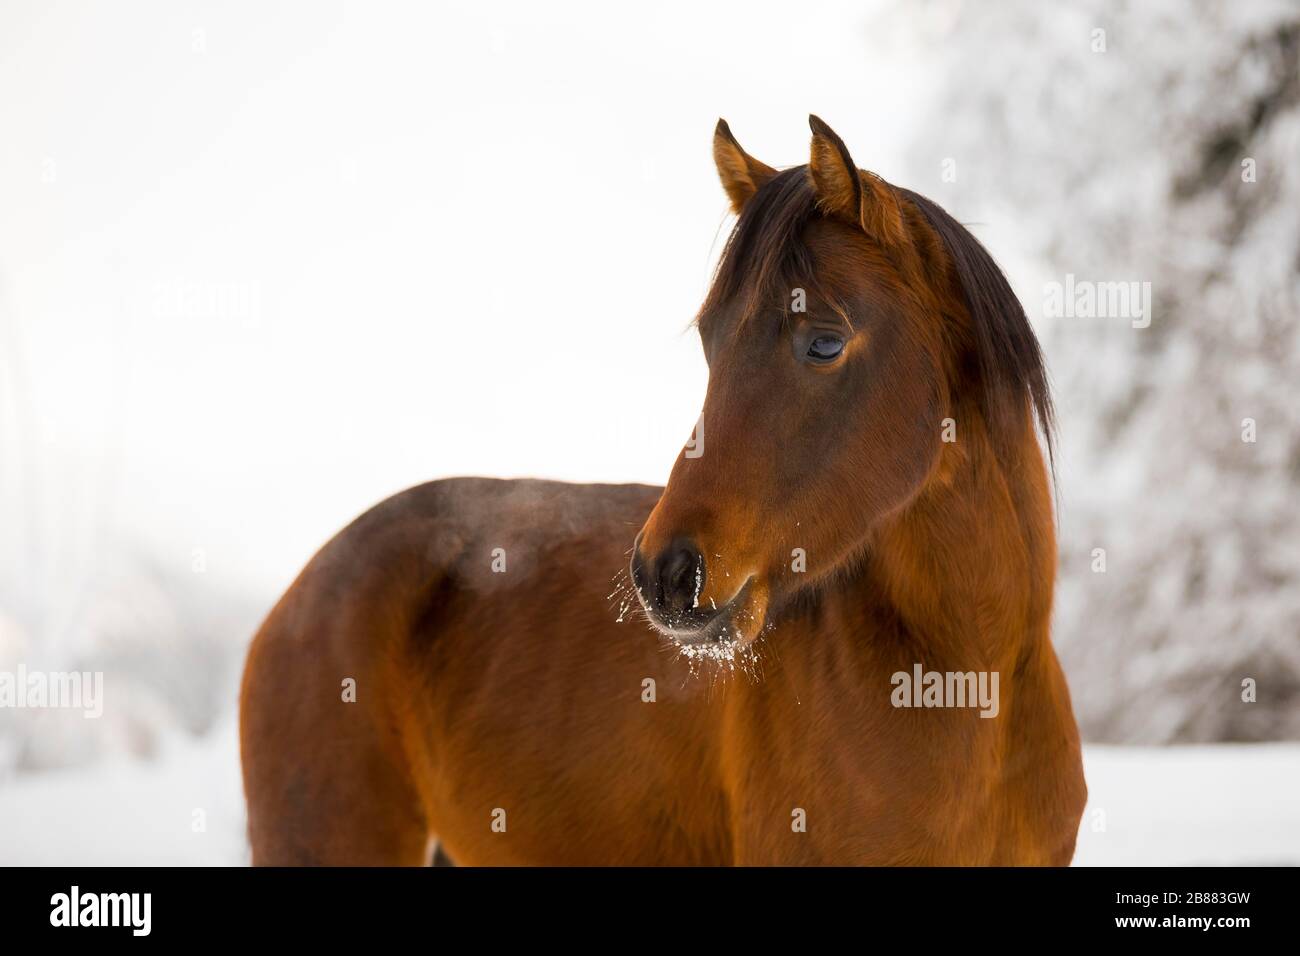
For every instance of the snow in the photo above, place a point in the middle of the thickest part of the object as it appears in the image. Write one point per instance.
(1161, 806)
(130, 812)
(1216, 804)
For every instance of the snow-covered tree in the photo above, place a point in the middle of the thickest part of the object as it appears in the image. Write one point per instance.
(1150, 142)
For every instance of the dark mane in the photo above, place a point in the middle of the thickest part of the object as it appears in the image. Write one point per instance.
(1010, 361)
(765, 254)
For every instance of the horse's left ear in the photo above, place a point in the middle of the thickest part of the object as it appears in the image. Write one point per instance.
(850, 194)
(741, 174)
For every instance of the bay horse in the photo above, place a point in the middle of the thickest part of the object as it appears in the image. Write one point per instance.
(865, 503)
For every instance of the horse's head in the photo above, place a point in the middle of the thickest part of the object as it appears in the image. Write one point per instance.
(848, 334)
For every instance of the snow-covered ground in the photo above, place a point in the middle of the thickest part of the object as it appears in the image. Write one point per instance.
(130, 812)
(1177, 806)
(1166, 806)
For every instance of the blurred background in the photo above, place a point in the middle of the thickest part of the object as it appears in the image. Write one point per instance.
(263, 264)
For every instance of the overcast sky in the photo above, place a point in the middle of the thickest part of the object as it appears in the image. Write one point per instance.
(264, 264)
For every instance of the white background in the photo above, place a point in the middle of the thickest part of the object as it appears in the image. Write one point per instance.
(474, 238)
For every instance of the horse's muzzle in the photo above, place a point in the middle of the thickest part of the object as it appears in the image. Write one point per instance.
(669, 585)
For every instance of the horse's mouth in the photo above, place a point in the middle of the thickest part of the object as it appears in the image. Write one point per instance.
(727, 626)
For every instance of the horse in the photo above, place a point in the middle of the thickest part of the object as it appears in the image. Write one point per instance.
(771, 660)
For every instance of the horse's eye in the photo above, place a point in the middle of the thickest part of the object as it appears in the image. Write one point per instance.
(825, 347)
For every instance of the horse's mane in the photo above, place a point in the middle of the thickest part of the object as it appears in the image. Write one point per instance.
(765, 253)
(1010, 361)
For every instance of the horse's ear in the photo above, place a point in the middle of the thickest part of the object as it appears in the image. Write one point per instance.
(847, 193)
(741, 174)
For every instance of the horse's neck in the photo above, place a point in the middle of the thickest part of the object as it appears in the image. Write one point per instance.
(968, 567)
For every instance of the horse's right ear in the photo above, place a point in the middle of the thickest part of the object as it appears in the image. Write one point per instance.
(741, 174)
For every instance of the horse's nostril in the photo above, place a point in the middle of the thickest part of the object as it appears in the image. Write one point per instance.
(670, 583)
(680, 578)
